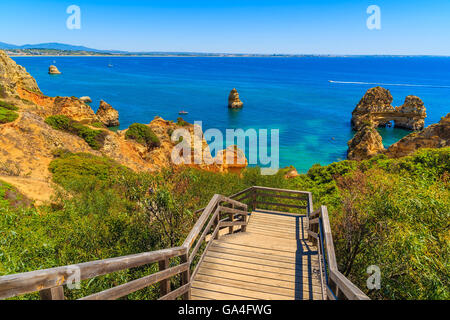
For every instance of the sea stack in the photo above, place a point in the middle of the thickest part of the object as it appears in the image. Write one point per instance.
(376, 107)
(53, 70)
(108, 115)
(233, 100)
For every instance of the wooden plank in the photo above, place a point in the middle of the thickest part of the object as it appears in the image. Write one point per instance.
(307, 268)
(254, 249)
(181, 291)
(56, 293)
(314, 221)
(218, 295)
(238, 291)
(255, 286)
(233, 202)
(138, 284)
(18, 284)
(248, 253)
(200, 222)
(265, 262)
(268, 283)
(289, 278)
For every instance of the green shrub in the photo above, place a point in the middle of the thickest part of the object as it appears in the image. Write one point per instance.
(68, 168)
(7, 112)
(181, 122)
(7, 115)
(94, 138)
(8, 106)
(143, 134)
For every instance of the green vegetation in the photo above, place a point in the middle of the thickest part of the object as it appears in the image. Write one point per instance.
(94, 138)
(143, 134)
(181, 122)
(8, 112)
(384, 212)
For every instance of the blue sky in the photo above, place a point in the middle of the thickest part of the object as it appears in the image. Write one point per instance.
(245, 26)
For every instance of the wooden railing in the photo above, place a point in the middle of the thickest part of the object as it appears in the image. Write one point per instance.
(221, 213)
(337, 286)
(50, 282)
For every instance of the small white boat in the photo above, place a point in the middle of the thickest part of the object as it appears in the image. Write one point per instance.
(183, 112)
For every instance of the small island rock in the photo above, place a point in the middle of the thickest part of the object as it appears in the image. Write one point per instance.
(233, 100)
(108, 115)
(53, 70)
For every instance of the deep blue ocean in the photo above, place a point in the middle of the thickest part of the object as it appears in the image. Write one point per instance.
(293, 95)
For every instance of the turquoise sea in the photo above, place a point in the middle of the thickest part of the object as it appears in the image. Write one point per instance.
(293, 95)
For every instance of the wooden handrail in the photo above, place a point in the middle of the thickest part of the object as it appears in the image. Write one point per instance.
(28, 282)
(338, 286)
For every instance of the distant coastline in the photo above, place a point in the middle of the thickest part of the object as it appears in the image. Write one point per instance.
(67, 50)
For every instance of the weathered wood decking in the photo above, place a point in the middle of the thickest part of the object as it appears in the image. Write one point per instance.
(272, 260)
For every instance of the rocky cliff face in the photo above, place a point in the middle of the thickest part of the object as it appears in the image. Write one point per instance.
(14, 77)
(234, 102)
(366, 143)
(108, 115)
(411, 115)
(376, 107)
(27, 144)
(434, 136)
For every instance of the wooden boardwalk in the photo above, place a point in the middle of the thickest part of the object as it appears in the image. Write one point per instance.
(272, 260)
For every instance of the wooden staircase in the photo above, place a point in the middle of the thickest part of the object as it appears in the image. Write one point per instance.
(238, 249)
(272, 260)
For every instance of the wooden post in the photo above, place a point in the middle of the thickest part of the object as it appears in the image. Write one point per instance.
(56, 293)
(253, 199)
(164, 285)
(230, 229)
(244, 227)
(216, 226)
(185, 276)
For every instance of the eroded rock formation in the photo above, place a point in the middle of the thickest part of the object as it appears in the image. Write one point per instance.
(376, 107)
(234, 102)
(366, 143)
(108, 115)
(434, 136)
(53, 70)
(86, 99)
